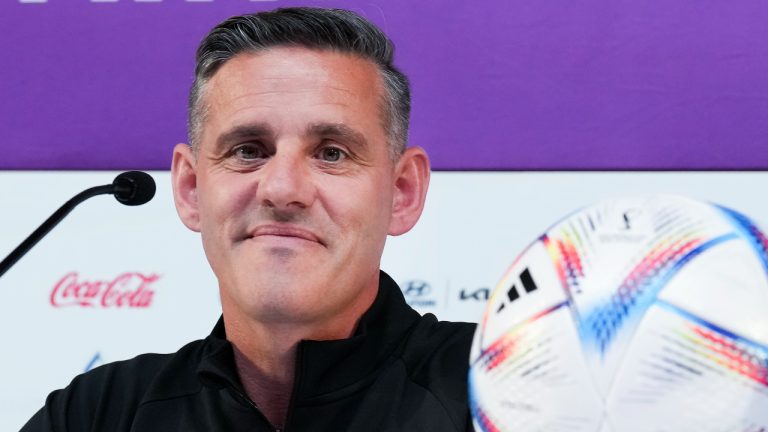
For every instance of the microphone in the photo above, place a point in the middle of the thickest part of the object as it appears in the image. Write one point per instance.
(131, 188)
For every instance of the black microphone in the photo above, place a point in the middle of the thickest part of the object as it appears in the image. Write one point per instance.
(133, 188)
(130, 188)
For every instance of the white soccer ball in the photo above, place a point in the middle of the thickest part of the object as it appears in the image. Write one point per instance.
(638, 314)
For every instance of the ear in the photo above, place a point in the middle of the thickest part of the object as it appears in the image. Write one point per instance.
(184, 182)
(410, 190)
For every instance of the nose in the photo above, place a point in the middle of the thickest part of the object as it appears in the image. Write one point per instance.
(285, 182)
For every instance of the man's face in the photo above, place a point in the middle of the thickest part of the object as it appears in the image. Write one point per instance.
(292, 185)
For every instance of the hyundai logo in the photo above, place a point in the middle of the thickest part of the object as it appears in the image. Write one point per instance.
(417, 288)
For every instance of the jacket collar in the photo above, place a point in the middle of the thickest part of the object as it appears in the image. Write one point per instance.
(325, 368)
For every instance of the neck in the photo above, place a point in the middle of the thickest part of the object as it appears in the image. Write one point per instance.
(265, 353)
(267, 375)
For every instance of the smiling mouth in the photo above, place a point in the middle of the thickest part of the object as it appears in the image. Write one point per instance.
(286, 232)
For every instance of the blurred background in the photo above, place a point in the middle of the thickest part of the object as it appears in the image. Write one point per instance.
(529, 111)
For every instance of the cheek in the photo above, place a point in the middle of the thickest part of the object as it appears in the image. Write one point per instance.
(365, 208)
(223, 200)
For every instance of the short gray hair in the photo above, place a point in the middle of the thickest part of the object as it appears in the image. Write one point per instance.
(335, 30)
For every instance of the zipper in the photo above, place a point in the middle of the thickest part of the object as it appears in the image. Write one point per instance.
(294, 390)
(255, 407)
(296, 377)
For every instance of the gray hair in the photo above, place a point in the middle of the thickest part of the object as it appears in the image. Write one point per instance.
(314, 28)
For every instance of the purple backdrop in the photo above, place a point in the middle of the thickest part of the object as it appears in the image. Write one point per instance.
(497, 85)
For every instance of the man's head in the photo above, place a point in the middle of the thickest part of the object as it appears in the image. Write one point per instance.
(334, 30)
(292, 183)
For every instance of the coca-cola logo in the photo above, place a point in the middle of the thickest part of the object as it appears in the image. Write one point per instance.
(129, 289)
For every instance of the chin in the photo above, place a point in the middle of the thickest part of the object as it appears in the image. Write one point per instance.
(285, 299)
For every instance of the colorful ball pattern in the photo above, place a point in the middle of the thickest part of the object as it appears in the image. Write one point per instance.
(636, 314)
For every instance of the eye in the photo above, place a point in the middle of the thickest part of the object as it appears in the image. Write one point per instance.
(248, 152)
(331, 154)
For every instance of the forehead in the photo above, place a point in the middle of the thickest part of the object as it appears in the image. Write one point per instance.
(289, 82)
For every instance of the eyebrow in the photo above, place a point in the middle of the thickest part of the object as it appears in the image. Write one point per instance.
(262, 131)
(340, 131)
(241, 132)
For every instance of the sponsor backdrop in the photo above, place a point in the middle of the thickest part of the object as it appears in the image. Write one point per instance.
(112, 281)
(90, 87)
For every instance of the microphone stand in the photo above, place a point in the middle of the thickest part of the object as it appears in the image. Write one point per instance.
(50, 223)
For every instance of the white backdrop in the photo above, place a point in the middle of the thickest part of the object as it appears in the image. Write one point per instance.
(59, 308)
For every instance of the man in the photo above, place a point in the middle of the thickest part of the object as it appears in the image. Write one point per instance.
(296, 172)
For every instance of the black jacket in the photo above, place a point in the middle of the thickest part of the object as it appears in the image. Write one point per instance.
(398, 372)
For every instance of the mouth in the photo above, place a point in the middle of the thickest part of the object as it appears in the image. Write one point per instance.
(284, 232)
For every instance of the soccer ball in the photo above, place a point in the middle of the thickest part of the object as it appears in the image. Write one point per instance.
(638, 314)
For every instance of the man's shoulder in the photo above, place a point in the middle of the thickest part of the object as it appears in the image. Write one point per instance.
(115, 390)
(436, 357)
(439, 342)
(146, 374)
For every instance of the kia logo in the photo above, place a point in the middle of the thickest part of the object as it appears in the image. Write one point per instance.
(417, 288)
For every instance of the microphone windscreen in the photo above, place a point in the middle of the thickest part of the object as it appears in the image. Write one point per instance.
(134, 188)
